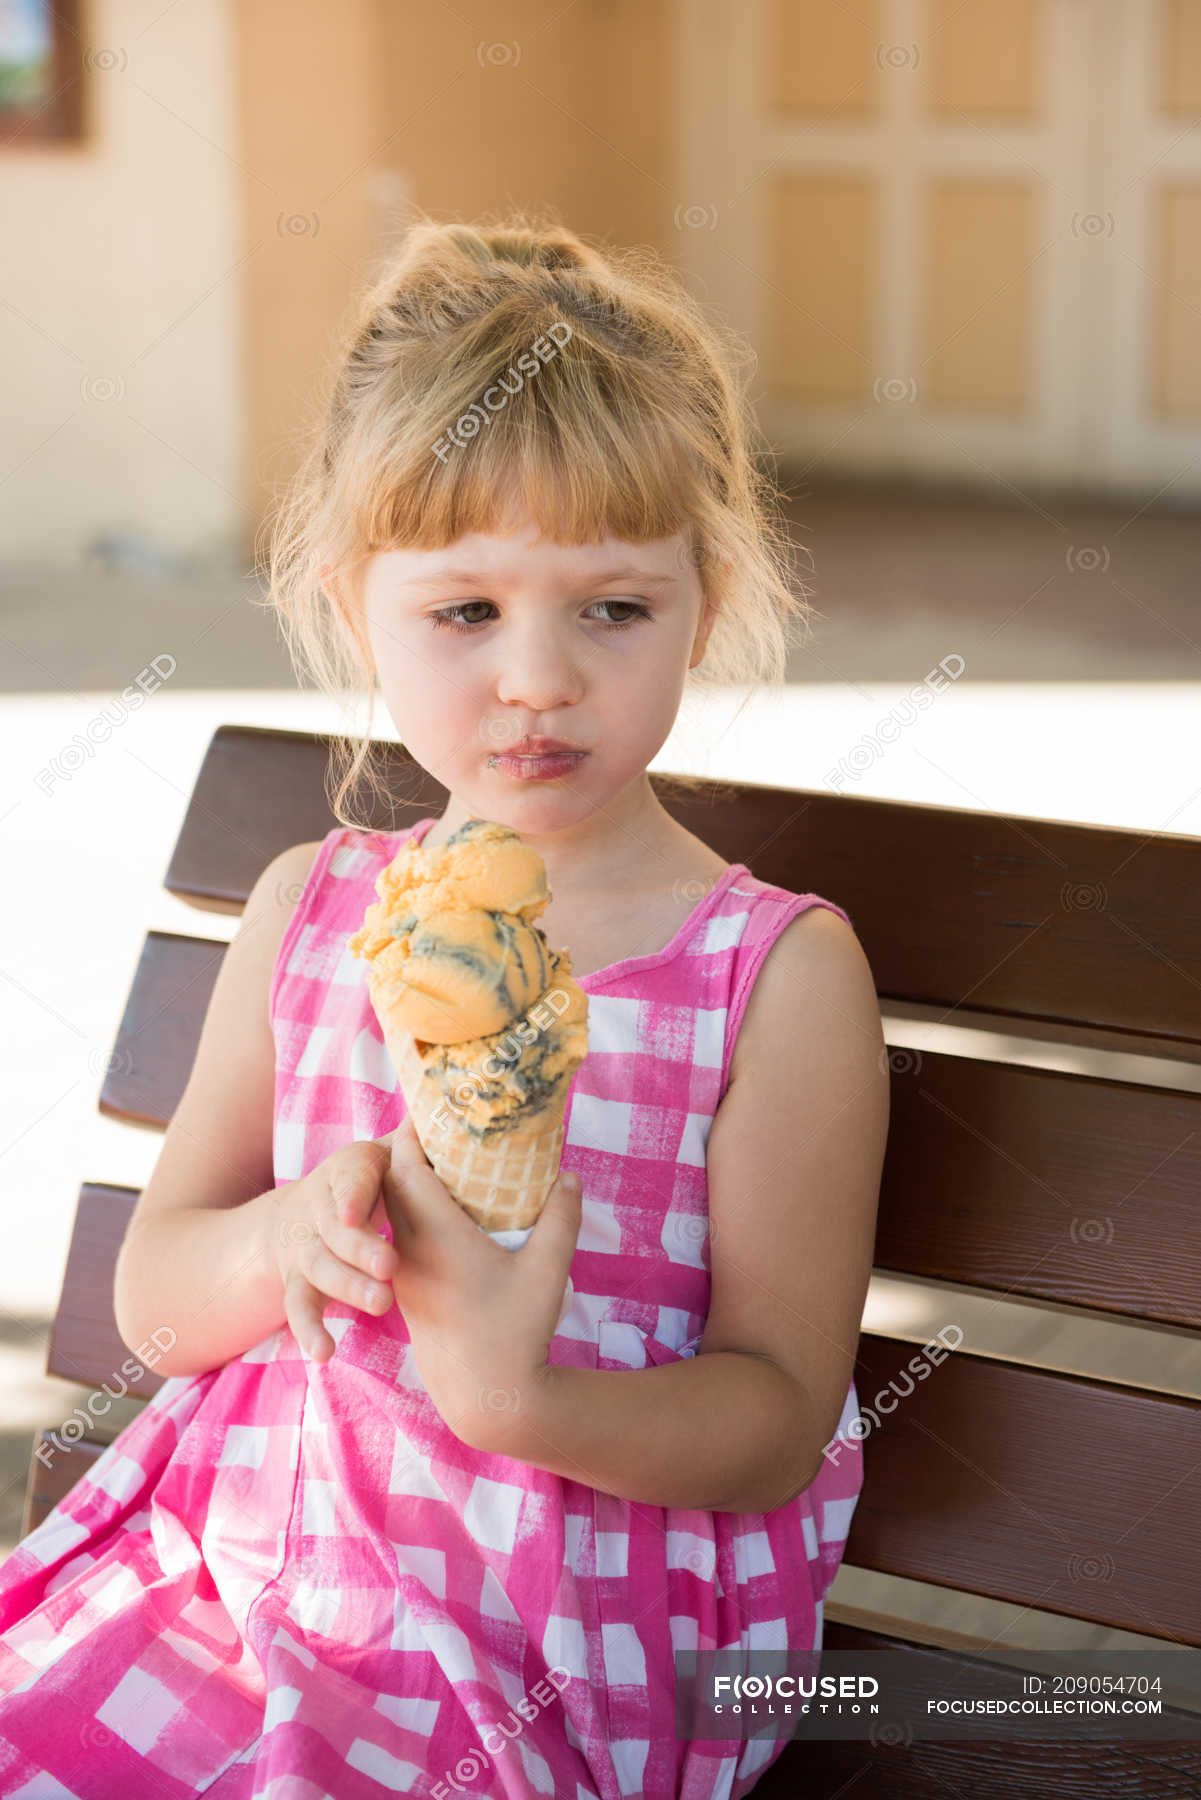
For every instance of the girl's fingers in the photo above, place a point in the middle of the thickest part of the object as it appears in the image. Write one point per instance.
(306, 1299)
(338, 1280)
(407, 1156)
(407, 1163)
(361, 1249)
(404, 1139)
(420, 1190)
(345, 1228)
(354, 1187)
(379, 1222)
(303, 1306)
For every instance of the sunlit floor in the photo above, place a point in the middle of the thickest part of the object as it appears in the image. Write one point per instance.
(89, 815)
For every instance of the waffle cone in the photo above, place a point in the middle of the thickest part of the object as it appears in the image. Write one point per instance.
(502, 1185)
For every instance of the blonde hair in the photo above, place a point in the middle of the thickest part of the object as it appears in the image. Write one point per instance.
(634, 421)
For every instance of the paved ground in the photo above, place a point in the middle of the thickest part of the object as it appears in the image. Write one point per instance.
(1080, 700)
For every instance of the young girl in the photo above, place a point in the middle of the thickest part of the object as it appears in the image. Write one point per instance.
(420, 1534)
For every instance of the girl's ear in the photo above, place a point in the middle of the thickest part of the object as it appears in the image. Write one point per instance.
(325, 570)
(704, 627)
(343, 587)
(338, 590)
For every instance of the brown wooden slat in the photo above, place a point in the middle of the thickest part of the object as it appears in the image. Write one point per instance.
(1089, 924)
(984, 1769)
(1050, 1490)
(1093, 925)
(160, 1030)
(1062, 1187)
(49, 1481)
(85, 1345)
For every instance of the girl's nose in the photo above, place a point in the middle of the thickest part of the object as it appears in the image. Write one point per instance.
(535, 670)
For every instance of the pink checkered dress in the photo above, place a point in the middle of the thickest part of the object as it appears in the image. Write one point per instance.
(286, 1580)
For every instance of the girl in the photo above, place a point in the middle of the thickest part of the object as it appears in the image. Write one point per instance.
(420, 1534)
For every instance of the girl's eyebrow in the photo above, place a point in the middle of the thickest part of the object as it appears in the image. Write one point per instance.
(645, 578)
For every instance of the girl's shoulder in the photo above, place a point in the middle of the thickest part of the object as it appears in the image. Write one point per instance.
(796, 921)
(805, 973)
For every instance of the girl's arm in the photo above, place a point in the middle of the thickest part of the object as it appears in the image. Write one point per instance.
(794, 1160)
(196, 1286)
(193, 1258)
(723, 1432)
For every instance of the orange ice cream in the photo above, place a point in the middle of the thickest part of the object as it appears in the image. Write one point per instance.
(453, 952)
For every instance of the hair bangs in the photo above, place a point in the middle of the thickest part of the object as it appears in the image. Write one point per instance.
(540, 452)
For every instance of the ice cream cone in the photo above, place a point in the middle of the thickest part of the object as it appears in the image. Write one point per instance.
(502, 1183)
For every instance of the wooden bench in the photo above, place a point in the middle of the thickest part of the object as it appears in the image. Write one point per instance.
(1053, 1188)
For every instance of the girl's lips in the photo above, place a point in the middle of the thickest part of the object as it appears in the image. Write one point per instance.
(538, 768)
(544, 746)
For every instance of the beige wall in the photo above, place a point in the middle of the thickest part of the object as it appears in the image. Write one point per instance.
(119, 339)
(345, 111)
(484, 105)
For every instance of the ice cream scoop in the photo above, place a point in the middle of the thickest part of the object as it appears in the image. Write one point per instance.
(456, 974)
(454, 953)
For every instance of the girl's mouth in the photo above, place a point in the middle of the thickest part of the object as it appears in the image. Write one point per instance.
(538, 768)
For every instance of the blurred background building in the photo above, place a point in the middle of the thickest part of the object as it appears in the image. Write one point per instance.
(965, 241)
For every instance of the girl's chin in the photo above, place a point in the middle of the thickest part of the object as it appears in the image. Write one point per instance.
(529, 806)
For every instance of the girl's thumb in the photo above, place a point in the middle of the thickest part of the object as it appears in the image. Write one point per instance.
(558, 1225)
(568, 1181)
(552, 1240)
(403, 1146)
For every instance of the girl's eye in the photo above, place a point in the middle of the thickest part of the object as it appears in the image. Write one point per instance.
(452, 616)
(631, 606)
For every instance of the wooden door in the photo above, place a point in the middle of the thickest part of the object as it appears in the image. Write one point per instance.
(964, 238)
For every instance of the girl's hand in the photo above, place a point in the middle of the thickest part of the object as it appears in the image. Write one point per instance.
(480, 1317)
(325, 1242)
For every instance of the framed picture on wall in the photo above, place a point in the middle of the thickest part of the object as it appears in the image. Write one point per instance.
(42, 69)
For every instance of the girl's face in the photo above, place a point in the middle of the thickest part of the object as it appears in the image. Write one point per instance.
(499, 638)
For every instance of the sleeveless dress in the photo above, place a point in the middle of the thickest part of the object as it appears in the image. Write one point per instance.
(286, 1580)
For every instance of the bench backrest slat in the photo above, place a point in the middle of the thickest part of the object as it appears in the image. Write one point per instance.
(1054, 1491)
